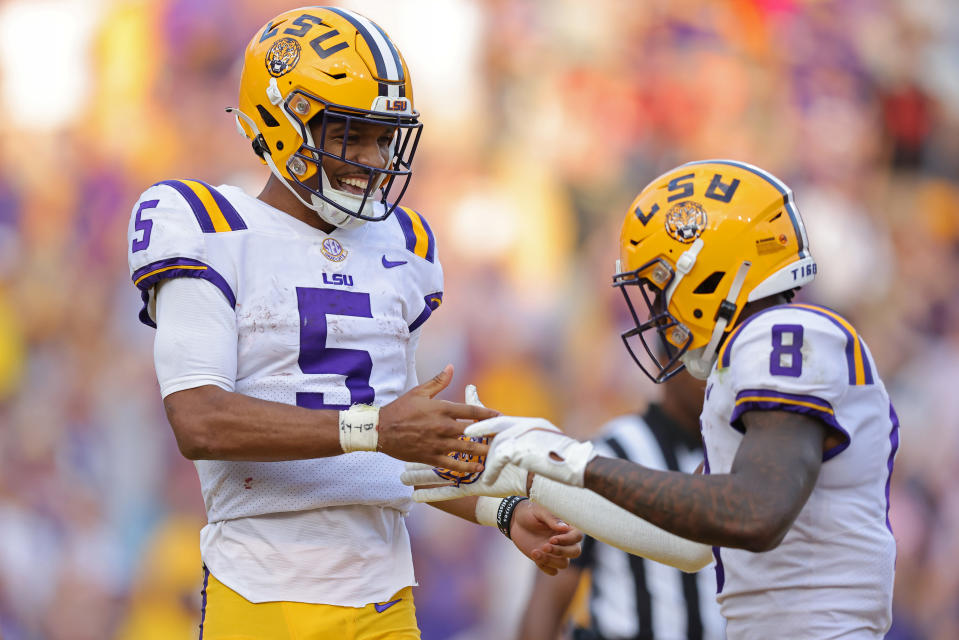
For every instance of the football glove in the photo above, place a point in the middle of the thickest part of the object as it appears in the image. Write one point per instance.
(533, 444)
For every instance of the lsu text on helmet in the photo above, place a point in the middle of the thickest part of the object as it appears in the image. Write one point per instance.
(699, 243)
(328, 65)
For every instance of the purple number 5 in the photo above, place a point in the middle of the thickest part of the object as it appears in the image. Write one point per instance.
(786, 356)
(315, 357)
(146, 226)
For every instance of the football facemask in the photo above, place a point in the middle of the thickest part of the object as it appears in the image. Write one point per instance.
(660, 338)
(306, 164)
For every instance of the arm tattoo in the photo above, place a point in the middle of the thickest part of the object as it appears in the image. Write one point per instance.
(751, 507)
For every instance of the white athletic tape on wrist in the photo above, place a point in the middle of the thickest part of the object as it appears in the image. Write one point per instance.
(607, 522)
(358, 428)
(486, 509)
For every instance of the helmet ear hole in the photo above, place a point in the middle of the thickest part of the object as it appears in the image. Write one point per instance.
(709, 284)
(259, 145)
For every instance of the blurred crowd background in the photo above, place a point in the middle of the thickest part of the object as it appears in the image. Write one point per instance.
(542, 121)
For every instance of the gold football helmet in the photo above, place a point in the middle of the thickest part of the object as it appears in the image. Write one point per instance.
(700, 242)
(334, 65)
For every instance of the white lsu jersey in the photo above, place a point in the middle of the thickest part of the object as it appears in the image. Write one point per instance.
(832, 575)
(323, 322)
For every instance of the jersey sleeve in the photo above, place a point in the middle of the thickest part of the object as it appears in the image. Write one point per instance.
(792, 360)
(196, 337)
(426, 290)
(169, 237)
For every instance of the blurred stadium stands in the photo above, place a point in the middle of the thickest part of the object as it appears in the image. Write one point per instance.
(542, 121)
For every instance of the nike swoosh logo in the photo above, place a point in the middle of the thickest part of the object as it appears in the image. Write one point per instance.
(380, 608)
(389, 264)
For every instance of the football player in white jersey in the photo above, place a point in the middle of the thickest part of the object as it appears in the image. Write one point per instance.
(287, 325)
(800, 435)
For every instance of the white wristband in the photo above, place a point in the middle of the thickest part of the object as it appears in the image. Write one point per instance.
(486, 509)
(358, 428)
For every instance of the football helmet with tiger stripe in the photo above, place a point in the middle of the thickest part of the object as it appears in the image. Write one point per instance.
(308, 68)
(699, 243)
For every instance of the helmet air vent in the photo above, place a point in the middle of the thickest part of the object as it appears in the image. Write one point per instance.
(268, 118)
(709, 285)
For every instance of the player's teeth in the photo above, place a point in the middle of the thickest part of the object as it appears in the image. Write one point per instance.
(354, 182)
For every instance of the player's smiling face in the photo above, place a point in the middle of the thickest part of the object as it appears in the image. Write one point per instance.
(366, 143)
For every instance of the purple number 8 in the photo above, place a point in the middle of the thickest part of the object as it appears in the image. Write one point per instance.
(315, 357)
(786, 357)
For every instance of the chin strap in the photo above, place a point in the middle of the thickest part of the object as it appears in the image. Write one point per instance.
(684, 264)
(700, 365)
(267, 156)
(335, 217)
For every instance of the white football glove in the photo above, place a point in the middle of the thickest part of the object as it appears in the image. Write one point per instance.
(511, 481)
(534, 444)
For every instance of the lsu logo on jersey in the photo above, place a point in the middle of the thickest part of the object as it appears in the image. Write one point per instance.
(338, 279)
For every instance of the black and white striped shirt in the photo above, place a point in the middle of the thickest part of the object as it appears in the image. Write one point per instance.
(634, 598)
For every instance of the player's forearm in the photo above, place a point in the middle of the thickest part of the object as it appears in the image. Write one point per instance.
(463, 507)
(719, 510)
(548, 602)
(214, 424)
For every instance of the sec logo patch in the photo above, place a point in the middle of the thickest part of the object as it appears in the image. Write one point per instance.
(332, 250)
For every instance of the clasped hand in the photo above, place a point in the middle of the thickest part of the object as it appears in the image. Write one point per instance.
(534, 445)
(421, 428)
(548, 541)
(519, 446)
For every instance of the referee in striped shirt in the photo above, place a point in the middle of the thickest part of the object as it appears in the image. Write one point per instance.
(630, 597)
